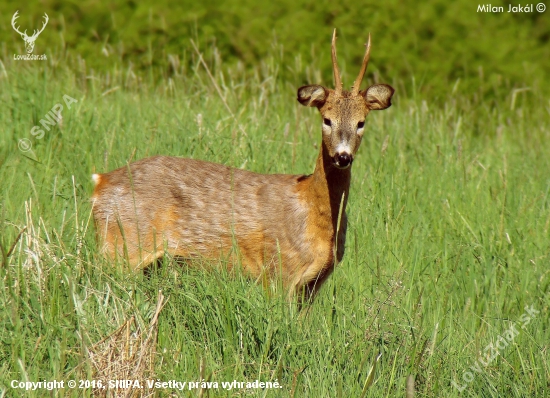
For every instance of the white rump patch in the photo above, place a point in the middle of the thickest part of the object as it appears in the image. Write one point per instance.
(96, 178)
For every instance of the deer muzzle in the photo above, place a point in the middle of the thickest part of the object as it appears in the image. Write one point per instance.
(342, 160)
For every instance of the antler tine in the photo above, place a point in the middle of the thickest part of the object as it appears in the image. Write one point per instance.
(14, 20)
(337, 77)
(357, 83)
(36, 33)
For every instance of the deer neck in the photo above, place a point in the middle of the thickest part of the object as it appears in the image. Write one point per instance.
(327, 187)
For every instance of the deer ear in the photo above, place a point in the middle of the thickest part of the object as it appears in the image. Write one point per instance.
(378, 96)
(313, 95)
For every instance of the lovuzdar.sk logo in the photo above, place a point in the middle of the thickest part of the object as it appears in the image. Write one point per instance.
(29, 40)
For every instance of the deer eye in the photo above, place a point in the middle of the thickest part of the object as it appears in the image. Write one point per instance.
(360, 125)
(326, 122)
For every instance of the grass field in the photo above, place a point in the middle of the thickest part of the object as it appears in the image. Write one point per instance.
(445, 280)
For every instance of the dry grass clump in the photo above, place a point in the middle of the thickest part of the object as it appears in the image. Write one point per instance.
(126, 354)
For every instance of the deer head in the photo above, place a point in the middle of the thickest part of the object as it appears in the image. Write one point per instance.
(29, 40)
(343, 111)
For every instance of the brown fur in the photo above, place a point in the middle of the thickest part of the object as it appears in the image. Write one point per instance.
(281, 225)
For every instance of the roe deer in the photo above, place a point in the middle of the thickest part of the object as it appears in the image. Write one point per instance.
(275, 225)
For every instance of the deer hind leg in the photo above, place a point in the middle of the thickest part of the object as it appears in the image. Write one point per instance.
(128, 244)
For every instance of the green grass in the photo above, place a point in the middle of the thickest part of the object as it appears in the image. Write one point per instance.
(436, 40)
(447, 242)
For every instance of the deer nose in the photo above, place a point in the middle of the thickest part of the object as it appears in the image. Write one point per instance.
(343, 160)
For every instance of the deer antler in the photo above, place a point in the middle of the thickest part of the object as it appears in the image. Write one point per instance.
(337, 77)
(24, 34)
(15, 16)
(357, 83)
(36, 33)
